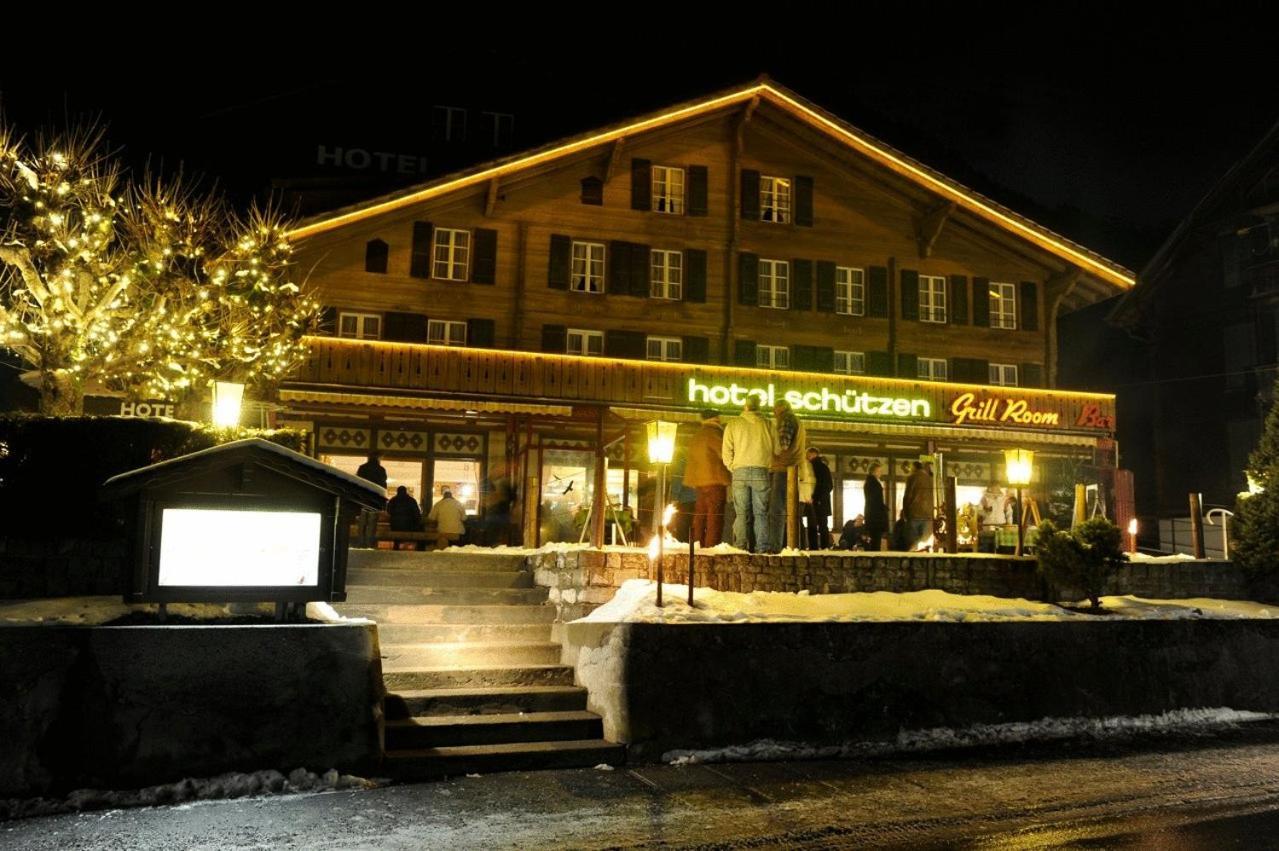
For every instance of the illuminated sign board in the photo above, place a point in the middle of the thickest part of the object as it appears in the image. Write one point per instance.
(220, 548)
(849, 402)
(999, 410)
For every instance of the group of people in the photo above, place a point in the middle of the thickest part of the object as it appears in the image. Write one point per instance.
(403, 511)
(915, 522)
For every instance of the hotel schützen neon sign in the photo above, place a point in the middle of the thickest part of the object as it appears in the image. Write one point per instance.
(838, 402)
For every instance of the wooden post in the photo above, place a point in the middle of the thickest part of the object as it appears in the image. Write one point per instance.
(1081, 505)
(599, 501)
(952, 515)
(792, 507)
(1197, 525)
(532, 491)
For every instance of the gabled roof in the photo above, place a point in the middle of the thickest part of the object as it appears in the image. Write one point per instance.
(765, 90)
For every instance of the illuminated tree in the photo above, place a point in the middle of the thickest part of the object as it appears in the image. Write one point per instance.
(150, 288)
(1254, 537)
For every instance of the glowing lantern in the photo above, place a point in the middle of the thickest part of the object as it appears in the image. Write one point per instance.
(661, 442)
(1019, 466)
(228, 397)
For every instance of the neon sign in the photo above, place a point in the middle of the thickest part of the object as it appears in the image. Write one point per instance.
(968, 409)
(850, 402)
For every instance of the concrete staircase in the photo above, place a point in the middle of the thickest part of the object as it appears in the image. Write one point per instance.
(474, 683)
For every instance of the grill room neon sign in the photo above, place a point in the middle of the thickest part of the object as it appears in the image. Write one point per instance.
(849, 402)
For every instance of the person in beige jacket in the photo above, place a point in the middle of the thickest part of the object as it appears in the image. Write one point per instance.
(748, 448)
(705, 472)
(449, 518)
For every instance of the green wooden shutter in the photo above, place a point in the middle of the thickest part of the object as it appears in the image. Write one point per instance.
(420, 259)
(801, 284)
(698, 190)
(907, 365)
(641, 184)
(978, 371)
(484, 265)
(825, 286)
(481, 333)
(561, 262)
(750, 195)
(910, 294)
(375, 256)
(697, 350)
(619, 268)
(625, 344)
(555, 339)
(803, 358)
(404, 327)
(877, 292)
(748, 283)
(1030, 375)
(641, 270)
(879, 363)
(695, 275)
(744, 352)
(1028, 306)
(823, 359)
(958, 313)
(803, 201)
(329, 321)
(981, 302)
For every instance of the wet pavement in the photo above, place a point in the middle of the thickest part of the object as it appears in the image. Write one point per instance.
(1210, 791)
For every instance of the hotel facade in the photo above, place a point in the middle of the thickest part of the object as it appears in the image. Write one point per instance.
(512, 328)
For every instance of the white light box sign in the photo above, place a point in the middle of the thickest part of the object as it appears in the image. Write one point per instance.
(218, 548)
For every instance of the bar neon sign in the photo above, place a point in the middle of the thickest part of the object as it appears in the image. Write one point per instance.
(849, 402)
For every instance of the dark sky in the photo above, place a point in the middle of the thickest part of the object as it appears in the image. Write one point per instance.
(1102, 122)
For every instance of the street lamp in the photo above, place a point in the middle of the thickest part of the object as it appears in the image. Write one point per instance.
(1019, 465)
(661, 450)
(227, 399)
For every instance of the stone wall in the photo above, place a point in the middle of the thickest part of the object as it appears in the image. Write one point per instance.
(131, 706)
(665, 686)
(63, 568)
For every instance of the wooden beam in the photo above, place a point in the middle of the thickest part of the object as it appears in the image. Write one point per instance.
(614, 158)
(490, 201)
(748, 112)
(929, 226)
(1058, 287)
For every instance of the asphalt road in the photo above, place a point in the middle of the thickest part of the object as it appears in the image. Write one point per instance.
(1219, 791)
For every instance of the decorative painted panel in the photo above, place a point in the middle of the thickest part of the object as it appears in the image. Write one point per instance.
(458, 443)
(401, 440)
(344, 438)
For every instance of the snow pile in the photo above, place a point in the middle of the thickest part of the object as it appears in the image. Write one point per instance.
(1147, 558)
(324, 613)
(722, 549)
(979, 735)
(234, 785)
(635, 602)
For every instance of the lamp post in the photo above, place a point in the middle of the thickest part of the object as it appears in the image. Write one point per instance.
(661, 449)
(228, 397)
(1019, 465)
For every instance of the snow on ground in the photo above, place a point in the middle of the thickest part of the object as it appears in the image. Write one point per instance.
(95, 611)
(234, 785)
(978, 735)
(1147, 558)
(635, 602)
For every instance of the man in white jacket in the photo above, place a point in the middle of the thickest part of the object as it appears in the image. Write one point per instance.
(449, 517)
(748, 449)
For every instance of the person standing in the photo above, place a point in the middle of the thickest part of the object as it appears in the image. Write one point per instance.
(818, 508)
(876, 510)
(917, 505)
(404, 512)
(705, 472)
(748, 449)
(791, 438)
(449, 518)
(373, 471)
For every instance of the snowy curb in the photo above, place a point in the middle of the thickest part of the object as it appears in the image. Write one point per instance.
(233, 785)
(978, 735)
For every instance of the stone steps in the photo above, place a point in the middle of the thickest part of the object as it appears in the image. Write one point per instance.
(445, 633)
(437, 731)
(440, 762)
(468, 654)
(500, 700)
(445, 560)
(412, 678)
(439, 578)
(445, 596)
(393, 613)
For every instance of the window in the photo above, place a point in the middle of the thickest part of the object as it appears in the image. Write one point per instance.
(772, 357)
(503, 128)
(774, 284)
(668, 189)
(665, 348)
(850, 291)
(585, 342)
(932, 369)
(1003, 306)
(1003, 374)
(451, 253)
(588, 267)
(375, 256)
(932, 298)
(668, 275)
(774, 199)
(593, 191)
(448, 124)
(361, 326)
(440, 332)
(850, 363)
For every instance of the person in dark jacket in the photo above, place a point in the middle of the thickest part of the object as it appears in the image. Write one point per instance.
(406, 515)
(373, 471)
(819, 508)
(876, 510)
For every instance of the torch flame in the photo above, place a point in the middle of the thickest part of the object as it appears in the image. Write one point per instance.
(669, 513)
(653, 547)
(1132, 526)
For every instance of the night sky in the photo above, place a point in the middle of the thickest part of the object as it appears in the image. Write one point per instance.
(1105, 124)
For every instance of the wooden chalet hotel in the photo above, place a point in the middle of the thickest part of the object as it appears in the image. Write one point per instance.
(520, 322)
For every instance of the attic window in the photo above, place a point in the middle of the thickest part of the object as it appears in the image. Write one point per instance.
(375, 254)
(593, 191)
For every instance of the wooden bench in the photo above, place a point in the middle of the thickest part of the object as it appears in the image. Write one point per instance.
(435, 539)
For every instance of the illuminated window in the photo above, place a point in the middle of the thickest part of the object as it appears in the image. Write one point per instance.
(668, 189)
(361, 326)
(774, 199)
(850, 291)
(1003, 374)
(441, 332)
(850, 363)
(932, 369)
(665, 348)
(585, 342)
(1003, 306)
(772, 357)
(774, 284)
(588, 267)
(932, 298)
(451, 253)
(667, 278)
